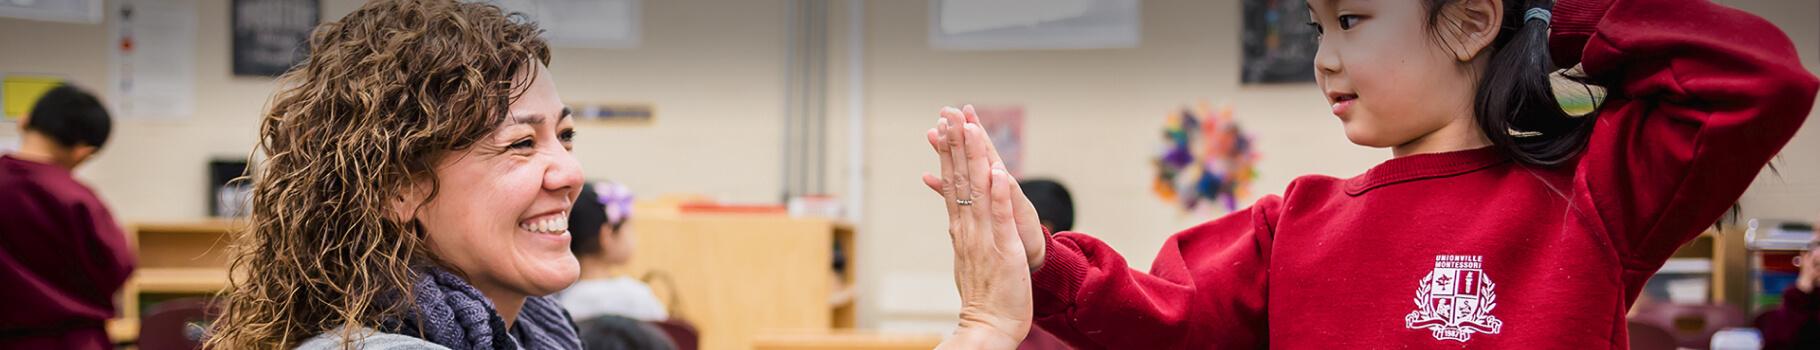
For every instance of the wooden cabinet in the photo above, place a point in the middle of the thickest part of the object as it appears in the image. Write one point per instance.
(175, 260)
(739, 275)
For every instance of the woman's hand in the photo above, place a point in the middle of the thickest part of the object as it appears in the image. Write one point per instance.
(991, 265)
(946, 139)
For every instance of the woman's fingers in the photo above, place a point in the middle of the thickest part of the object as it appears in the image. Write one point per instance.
(1004, 224)
(958, 177)
(978, 170)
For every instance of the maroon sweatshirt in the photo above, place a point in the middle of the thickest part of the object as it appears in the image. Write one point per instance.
(1795, 325)
(1469, 248)
(62, 258)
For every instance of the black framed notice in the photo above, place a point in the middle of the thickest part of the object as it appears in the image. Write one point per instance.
(270, 36)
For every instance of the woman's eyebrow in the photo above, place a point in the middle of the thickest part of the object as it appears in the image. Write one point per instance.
(526, 119)
(537, 118)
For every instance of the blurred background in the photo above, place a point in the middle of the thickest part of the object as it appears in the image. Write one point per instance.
(740, 122)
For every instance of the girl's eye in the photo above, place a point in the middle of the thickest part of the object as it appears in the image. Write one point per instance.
(1316, 26)
(566, 135)
(1347, 21)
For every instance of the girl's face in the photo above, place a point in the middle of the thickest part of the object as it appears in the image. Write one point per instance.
(501, 211)
(1390, 79)
(616, 246)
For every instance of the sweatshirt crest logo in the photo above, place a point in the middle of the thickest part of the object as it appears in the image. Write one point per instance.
(1455, 300)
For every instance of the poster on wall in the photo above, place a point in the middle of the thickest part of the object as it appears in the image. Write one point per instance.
(612, 113)
(593, 24)
(154, 59)
(1208, 162)
(271, 36)
(1005, 124)
(18, 92)
(1279, 46)
(71, 11)
(1034, 24)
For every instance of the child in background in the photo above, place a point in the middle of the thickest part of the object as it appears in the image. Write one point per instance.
(602, 242)
(62, 256)
(1796, 324)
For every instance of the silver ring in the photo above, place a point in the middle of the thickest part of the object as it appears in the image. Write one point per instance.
(963, 202)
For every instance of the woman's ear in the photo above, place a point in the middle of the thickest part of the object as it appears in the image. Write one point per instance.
(405, 206)
(1468, 27)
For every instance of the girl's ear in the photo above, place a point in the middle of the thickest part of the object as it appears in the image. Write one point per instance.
(1468, 27)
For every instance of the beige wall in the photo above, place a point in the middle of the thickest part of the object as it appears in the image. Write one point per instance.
(714, 70)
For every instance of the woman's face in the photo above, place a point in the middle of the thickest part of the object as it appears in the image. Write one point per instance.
(501, 209)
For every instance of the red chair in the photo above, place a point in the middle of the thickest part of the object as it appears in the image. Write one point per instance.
(681, 332)
(178, 324)
(1644, 336)
(1692, 325)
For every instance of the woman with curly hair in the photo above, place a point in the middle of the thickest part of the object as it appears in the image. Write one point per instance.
(415, 193)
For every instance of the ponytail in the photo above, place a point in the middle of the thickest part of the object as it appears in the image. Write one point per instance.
(1515, 105)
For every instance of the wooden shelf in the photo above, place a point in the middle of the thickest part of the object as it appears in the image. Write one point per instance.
(844, 340)
(123, 330)
(181, 280)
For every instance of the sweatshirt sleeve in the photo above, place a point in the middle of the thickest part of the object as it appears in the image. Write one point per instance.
(1700, 98)
(1206, 288)
(106, 256)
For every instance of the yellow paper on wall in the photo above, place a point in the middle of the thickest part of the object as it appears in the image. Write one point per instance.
(18, 92)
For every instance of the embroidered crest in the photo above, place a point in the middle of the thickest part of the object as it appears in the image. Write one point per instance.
(1455, 300)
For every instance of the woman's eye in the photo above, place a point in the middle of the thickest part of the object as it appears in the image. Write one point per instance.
(566, 135)
(523, 144)
(1347, 21)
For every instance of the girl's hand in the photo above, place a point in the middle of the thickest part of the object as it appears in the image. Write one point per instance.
(946, 137)
(990, 263)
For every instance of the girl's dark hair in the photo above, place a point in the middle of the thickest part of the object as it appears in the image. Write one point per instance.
(588, 216)
(1516, 106)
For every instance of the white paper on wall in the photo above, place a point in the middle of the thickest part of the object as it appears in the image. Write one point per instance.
(73, 11)
(155, 59)
(1034, 24)
(609, 24)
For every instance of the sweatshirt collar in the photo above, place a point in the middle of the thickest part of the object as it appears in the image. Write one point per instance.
(1424, 166)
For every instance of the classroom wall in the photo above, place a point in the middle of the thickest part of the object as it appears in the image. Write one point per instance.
(713, 70)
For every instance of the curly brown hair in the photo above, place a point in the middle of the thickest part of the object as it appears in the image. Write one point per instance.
(386, 92)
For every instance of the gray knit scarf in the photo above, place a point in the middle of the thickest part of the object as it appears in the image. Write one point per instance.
(454, 314)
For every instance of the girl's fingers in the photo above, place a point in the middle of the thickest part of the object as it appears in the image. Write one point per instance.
(991, 148)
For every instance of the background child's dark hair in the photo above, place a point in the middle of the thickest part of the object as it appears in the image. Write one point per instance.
(1516, 106)
(588, 215)
(1053, 203)
(71, 116)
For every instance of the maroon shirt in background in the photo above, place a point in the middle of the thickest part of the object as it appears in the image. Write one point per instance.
(1795, 325)
(62, 258)
(1406, 255)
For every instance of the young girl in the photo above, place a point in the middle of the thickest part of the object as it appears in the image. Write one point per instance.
(603, 242)
(1502, 222)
